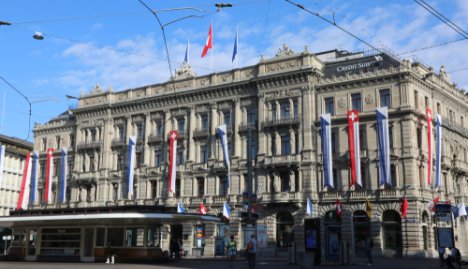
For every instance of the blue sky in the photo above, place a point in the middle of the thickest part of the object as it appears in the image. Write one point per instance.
(119, 44)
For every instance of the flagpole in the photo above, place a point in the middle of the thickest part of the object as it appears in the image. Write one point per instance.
(211, 51)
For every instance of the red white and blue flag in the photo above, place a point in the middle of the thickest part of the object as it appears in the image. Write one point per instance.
(173, 135)
(35, 165)
(23, 198)
(48, 175)
(131, 165)
(2, 162)
(208, 43)
(222, 134)
(429, 145)
(63, 177)
(438, 182)
(354, 149)
(325, 123)
(384, 146)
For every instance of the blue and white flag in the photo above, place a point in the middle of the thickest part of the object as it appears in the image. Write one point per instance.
(222, 134)
(384, 146)
(234, 51)
(35, 165)
(461, 209)
(131, 165)
(2, 162)
(63, 177)
(187, 51)
(309, 207)
(325, 124)
(226, 210)
(438, 182)
(180, 208)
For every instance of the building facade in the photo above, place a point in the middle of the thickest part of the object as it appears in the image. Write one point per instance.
(279, 102)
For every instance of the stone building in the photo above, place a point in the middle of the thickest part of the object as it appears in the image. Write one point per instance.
(280, 101)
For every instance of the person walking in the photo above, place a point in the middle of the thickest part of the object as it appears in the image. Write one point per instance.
(232, 249)
(369, 247)
(251, 250)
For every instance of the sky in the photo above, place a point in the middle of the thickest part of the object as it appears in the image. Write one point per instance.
(119, 44)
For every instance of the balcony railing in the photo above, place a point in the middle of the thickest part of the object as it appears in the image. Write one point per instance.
(89, 145)
(155, 138)
(201, 132)
(244, 126)
(460, 166)
(200, 166)
(282, 160)
(282, 197)
(118, 142)
(281, 122)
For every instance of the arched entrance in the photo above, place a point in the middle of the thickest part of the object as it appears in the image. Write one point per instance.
(284, 229)
(332, 235)
(391, 229)
(361, 224)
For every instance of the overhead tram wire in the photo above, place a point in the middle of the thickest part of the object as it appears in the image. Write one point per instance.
(442, 18)
(334, 24)
(433, 46)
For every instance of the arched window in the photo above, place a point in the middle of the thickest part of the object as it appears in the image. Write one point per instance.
(361, 224)
(391, 226)
(332, 235)
(284, 229)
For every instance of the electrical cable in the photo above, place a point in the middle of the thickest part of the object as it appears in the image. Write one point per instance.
(433, 46)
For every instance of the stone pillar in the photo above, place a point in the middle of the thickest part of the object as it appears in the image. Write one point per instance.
(191, 126)
(292, 139)
(237, 121)
(277, 143)
(308, 117)
(261, 118)
(146, 148)
(292, 181)
(214, 122)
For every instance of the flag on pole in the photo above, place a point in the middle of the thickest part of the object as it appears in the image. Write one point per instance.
(339, 208)
(180, 208)
(48, 183)
(234, 50)
(438, 182)
(131, 165)
(404, 208)
(23, 198)
(202, 209)
(384, 146)
(63, 177)
(354, 147)
(325, 123)
(208, 43)
(429, 145)
(2, 162)
(309, 207)
(431, 205)
(461, 209)
(173, 135)
(222, 134)
(368, 208)
(35, 165)
(226, 210)
(186, 58)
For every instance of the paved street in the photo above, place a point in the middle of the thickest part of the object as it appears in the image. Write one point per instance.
(383, 263)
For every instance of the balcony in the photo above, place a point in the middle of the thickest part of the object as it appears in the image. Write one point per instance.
(155, 138)
(327, 196)
(87, 177)
(196, 200)
(157, 170)
(460, 166)
(446, 162)
(282, 197)
(287, 122)
(282, 160)
(201, 132)
(219, 166)
(118, 142)
(200, 166)
(360, 194)
(244, 126)
(389, 194)
(89, 145)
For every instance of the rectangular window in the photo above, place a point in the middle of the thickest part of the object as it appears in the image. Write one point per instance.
(329, 105)
(356, 101)
(121, 132)
(251, 116)
(72, 141)
(385, 98)
(285, 109)
(333, 140)
(419, 137)
(154, 189)
(140, 131)
(362, 137)
(93, 136)
(177, 187)
(154, 236)
(363, 175)
(438, 108)
(157, 158)
(200, 186)
(119, 161)
(390, 136)
(223, 186)
(285, 145)
(393, 175)
(426, 101)
(134, 237)
(416, 101)
(159, 128)
(100, 233)
(203, 154)
(181, 125)
(56, 168)
(180, 156)
(296, 108)
(44, 144)
(227, 118)
(57, 142)
(273, 111)
(273, 145)
(115, 237)
(205, 123)
(138, 159)
(115, 191)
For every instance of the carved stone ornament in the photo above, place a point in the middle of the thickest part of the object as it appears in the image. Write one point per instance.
(285, 51)
(370, 99)
(341, 102)
(185, 71)
(96, 90)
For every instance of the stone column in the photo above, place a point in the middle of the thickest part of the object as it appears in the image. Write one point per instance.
(292, 139)
(237, 121)
(292, 181)
(191, 126)
(146, 148)
(277, 143)
(213, 125)
(261, 118)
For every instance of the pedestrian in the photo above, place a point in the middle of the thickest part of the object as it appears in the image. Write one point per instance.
(110, 254)
(369, 247)
(232, 249)
(449, 259)
(441, 257)
(251, 251)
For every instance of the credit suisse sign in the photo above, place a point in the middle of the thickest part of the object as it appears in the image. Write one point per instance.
(365, 64)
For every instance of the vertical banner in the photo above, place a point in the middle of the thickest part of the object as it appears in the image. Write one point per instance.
(226, 210)
(309, 207)
(222, 134)
(23, 198)
(429, 145)
(131, 165)
(438, 183)
(325, 124)
(173, 135)
(35, 164)
(48, 175)
(2, 162)
(354, 147)
(63, 177)
(384, 146)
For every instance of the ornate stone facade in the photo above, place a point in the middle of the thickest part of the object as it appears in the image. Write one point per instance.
(280, 100)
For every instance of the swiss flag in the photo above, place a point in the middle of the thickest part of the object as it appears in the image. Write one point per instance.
(404, 207)
(202, 209)
(208, 43)
(339, 208)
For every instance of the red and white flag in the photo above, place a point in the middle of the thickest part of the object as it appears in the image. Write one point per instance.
(339, 208)
(431, 205)
(202, 209)
(354, 147)
(48, 183)
(208, 43)
(404, 208)
(23, 199)
(429, 145)
(172, 159)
